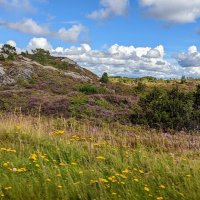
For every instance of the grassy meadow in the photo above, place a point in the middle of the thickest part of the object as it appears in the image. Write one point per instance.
(48, 159)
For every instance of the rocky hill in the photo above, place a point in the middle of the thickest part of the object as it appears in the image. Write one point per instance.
(58, 87)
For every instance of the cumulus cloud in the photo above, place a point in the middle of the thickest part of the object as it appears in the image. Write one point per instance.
(120, 60)
(109, 9)
(11, 43)
(178, 11)
(126, 60)
(191, 58)
(29, 26)
(39, 43)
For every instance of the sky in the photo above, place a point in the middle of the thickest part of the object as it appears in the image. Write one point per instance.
(132, 38)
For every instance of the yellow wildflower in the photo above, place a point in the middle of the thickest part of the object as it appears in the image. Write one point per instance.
(93, 181)
(136, 180)
(126, 171)
(114, 193)
(100, 158)
(33, 157)
(141, 171)
(59, 132)
(103, 180)
(59, 186)
(74, 163)
(159, 198)
(162, 187)
(146, 189)
(8, 188)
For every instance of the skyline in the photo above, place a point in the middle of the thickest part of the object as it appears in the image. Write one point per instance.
(128, 38)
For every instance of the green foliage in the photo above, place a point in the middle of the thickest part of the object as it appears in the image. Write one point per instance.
(40, 55)
(183, 80)
(8, 50)
(104, 78)
(91, 89)
(171, 109)
(197, 97)
(141, 87)
(65, 160)
(78, 105)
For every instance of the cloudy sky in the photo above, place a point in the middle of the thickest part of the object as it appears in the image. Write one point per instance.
(131, 38)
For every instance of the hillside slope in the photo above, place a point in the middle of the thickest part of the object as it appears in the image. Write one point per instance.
(61, 87)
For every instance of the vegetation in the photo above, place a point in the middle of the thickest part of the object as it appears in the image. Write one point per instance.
(67, 159)
(73, 136)
(104, 78)
(91, 89)
(171, 109)
(8, 52)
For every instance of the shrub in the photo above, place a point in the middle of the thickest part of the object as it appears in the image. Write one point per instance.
(167, 110)
(42, 56)
(8, 50)
(104, 78)
(91, 89)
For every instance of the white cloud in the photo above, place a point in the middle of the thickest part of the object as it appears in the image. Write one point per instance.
(11, 43)
(126, 60)
(120, 60)
(29, 26)
(191, 58)
(70, 35)
(177, 11)
(17, 5)
(39, 43)
(109, 9)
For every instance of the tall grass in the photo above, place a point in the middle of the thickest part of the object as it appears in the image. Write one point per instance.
(66, 159)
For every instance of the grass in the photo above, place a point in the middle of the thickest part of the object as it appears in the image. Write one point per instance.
(67, 159)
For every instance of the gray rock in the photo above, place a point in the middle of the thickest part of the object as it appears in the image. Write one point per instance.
(67, 60)
(2, 72)
(8, 81)
(77, 76)
(27, 73)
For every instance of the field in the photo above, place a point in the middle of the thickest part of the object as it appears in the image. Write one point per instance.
(43, 158)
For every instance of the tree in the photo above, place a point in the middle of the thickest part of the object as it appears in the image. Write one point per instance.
(197, 97)
(183, 79)
(104, 78)
(40, 55)
(8, 50)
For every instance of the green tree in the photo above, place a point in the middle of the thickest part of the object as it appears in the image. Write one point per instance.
(104, 78)
(183, 79)
(9, 50)
(40, 55)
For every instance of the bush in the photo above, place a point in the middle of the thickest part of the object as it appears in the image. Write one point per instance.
(8, 50)
(168, 110)
(91, 89)
(104, 78)
(42, 56)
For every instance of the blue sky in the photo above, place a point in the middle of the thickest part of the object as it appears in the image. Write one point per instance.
(123, 37)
